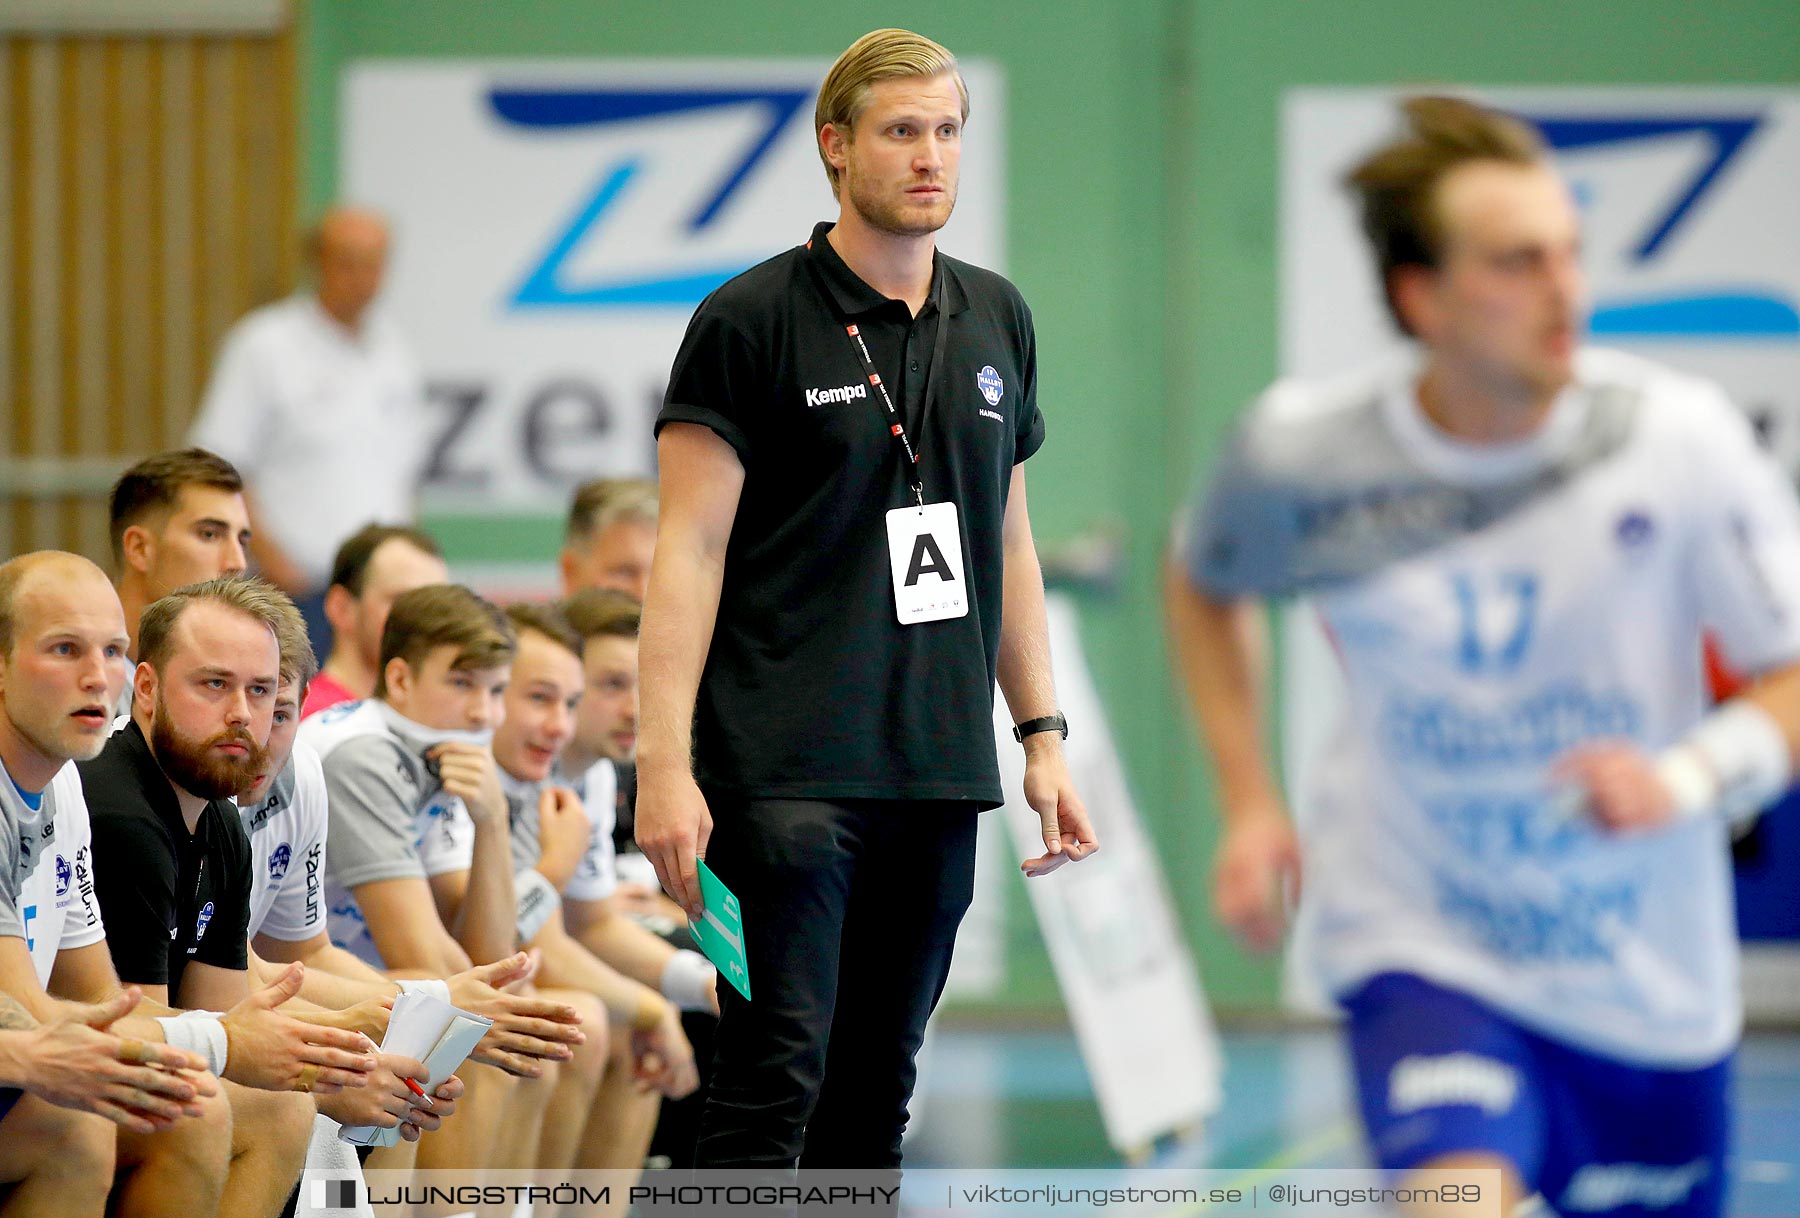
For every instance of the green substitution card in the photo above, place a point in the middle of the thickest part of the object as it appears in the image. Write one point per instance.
(720, 931)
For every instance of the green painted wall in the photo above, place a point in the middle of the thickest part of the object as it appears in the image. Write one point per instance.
(1142, 211)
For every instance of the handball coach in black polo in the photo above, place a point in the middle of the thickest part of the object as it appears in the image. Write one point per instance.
(843, 565)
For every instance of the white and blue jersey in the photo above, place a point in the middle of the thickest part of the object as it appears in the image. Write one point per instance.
(1492, 607)
(287, 830)
(47, 869)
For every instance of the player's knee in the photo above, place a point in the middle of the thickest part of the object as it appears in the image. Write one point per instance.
(591, 1055)
(80, 1150)
(199, 1147)
(273, 1124)
(88, 1147)
(290, 1120)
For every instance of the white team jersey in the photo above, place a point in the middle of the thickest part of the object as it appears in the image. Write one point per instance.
(597, 789)
(287, 850)
(1574, 613)
(388, 816)
(596, 876)
(55, 903)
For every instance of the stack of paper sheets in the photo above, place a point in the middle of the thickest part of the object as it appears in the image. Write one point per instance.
(427, 1028)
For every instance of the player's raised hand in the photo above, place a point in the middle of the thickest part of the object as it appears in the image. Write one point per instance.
(563, 833)
(469, 772)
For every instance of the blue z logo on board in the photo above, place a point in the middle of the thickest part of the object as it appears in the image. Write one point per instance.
(1715, 311)
(548, 283)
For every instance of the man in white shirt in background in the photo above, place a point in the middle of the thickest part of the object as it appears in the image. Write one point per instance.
(319, 402)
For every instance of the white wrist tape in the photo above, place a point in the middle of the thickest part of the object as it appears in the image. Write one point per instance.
(684, 980)
(200, 1032)
(430, 985)
(535, 900)
(1734, 763)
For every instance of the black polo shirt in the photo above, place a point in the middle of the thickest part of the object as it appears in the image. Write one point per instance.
(812, 688)
(168, 896)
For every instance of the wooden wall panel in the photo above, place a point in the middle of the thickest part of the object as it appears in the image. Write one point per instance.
(147, 188)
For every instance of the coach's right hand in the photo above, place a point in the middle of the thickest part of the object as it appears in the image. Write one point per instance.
(1256, 874)
(275, 1052)
(672, 829)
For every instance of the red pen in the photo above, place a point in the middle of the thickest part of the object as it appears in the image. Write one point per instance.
(413, 1086)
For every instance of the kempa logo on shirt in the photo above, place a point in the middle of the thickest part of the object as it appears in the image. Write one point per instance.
(844, 393)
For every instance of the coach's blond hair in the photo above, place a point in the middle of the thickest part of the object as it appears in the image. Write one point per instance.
(878, 55)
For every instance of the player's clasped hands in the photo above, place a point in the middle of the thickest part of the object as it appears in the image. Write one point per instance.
(276, 1052)
(142, 1086)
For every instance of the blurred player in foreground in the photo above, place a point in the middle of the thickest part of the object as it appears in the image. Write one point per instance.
(1517, 848)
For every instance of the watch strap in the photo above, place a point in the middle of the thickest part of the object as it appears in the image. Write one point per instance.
(1046, 723)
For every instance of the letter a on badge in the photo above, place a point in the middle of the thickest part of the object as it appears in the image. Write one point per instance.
(926, 560)
(927, 542)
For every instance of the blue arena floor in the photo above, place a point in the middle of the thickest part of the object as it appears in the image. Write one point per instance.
(1009, 1099)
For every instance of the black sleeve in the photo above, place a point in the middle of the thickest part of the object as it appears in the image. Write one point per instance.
(134, 879)
(1030, 423)
(228, 934)
(625, 810)
(713, 379)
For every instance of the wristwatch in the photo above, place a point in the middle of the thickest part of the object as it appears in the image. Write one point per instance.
(1049, 723)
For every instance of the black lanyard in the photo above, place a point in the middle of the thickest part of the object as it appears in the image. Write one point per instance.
(897, 422)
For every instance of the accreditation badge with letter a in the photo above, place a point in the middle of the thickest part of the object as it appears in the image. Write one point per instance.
(925, 553)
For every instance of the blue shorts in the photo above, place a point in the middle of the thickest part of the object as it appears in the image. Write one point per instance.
(1439, 1073)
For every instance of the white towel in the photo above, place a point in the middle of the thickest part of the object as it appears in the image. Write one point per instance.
(329, 1163)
